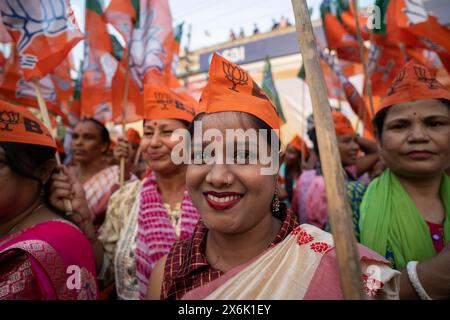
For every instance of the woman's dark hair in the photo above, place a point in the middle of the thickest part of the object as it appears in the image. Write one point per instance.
(290, 176)
(313, 137)
(104, 134)
(27, 159)
(378, 120)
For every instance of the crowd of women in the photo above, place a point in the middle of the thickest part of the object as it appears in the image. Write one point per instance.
(211, 229)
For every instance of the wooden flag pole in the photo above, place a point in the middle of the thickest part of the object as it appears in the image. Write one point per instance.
(338, 207)
(138, 156)
(124, 106)
(44, 112)
(361, 55)
(302, 127)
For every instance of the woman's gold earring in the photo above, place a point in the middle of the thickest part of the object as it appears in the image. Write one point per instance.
(276, 201)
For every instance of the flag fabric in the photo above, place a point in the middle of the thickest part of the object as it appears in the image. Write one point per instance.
(383, 63)
(353, 97)
(16, 89)
(123, 15)
(338, 38)
(346, 15)
(43, 33)
(152, 44)
(178, 33)
(423, 30)
(411, 16)
(150, 59)
(334, 87)
(268, 85)
(99, 65)
(4, 35)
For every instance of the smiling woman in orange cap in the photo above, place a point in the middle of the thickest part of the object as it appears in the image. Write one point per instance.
(145, 218)
(405, 213)
(37, 246)
(247, 245)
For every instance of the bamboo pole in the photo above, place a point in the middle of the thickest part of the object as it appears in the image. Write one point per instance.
(138, 156)
(361, 55)
(303, 124)
(338, 207)
(44, 112)
(124, 106)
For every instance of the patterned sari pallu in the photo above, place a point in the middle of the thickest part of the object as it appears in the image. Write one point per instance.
(49, 261)
(303, 266)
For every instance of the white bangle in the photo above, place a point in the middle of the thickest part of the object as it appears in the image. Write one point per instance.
(411, 268)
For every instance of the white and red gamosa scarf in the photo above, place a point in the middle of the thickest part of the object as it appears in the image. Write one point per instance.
(156, 235)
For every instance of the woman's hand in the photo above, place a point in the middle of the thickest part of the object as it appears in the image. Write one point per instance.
(122, 149)
(63, 186)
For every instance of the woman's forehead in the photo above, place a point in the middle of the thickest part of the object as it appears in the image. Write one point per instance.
(160, 122)
(425, 107)
(87, 126)
(227, 120)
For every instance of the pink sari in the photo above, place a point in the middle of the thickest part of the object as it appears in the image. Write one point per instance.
(48, 261)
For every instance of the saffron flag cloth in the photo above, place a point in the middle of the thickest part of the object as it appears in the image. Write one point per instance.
(4, 35)
(152, 44)
(268, 85)
(150, 59)
(346, 15)
(353, 97)
(383, 63)
(408, 23)
(15, 89)
(123, 15)
(99, 65)
(338, 38)
(43, 32)
(177, 34)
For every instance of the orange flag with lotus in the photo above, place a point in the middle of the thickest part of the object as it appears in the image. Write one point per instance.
(43, 33)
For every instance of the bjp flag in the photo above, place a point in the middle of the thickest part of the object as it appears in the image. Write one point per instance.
(43, 32)
(99, 65)
(15, 89)
(338, 38)
(346, 14)
(384, 62)
(152, 44)
(123, 14)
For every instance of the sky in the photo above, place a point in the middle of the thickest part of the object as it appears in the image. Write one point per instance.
(217, 17)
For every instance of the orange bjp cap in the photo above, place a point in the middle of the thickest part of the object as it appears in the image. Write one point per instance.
(17, 124)
(300, 145)
(132, 136)
(413, 82)
(230, 88)
(162, 103)
(341, 124)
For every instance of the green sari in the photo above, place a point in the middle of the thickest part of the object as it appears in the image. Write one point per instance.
(392, 225)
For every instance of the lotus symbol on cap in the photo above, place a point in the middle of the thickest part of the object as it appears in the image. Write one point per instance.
(236, 75)
(7, 118)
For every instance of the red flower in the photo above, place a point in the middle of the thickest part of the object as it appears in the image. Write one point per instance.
(320, 247)
(371, 285)
(303, 237)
